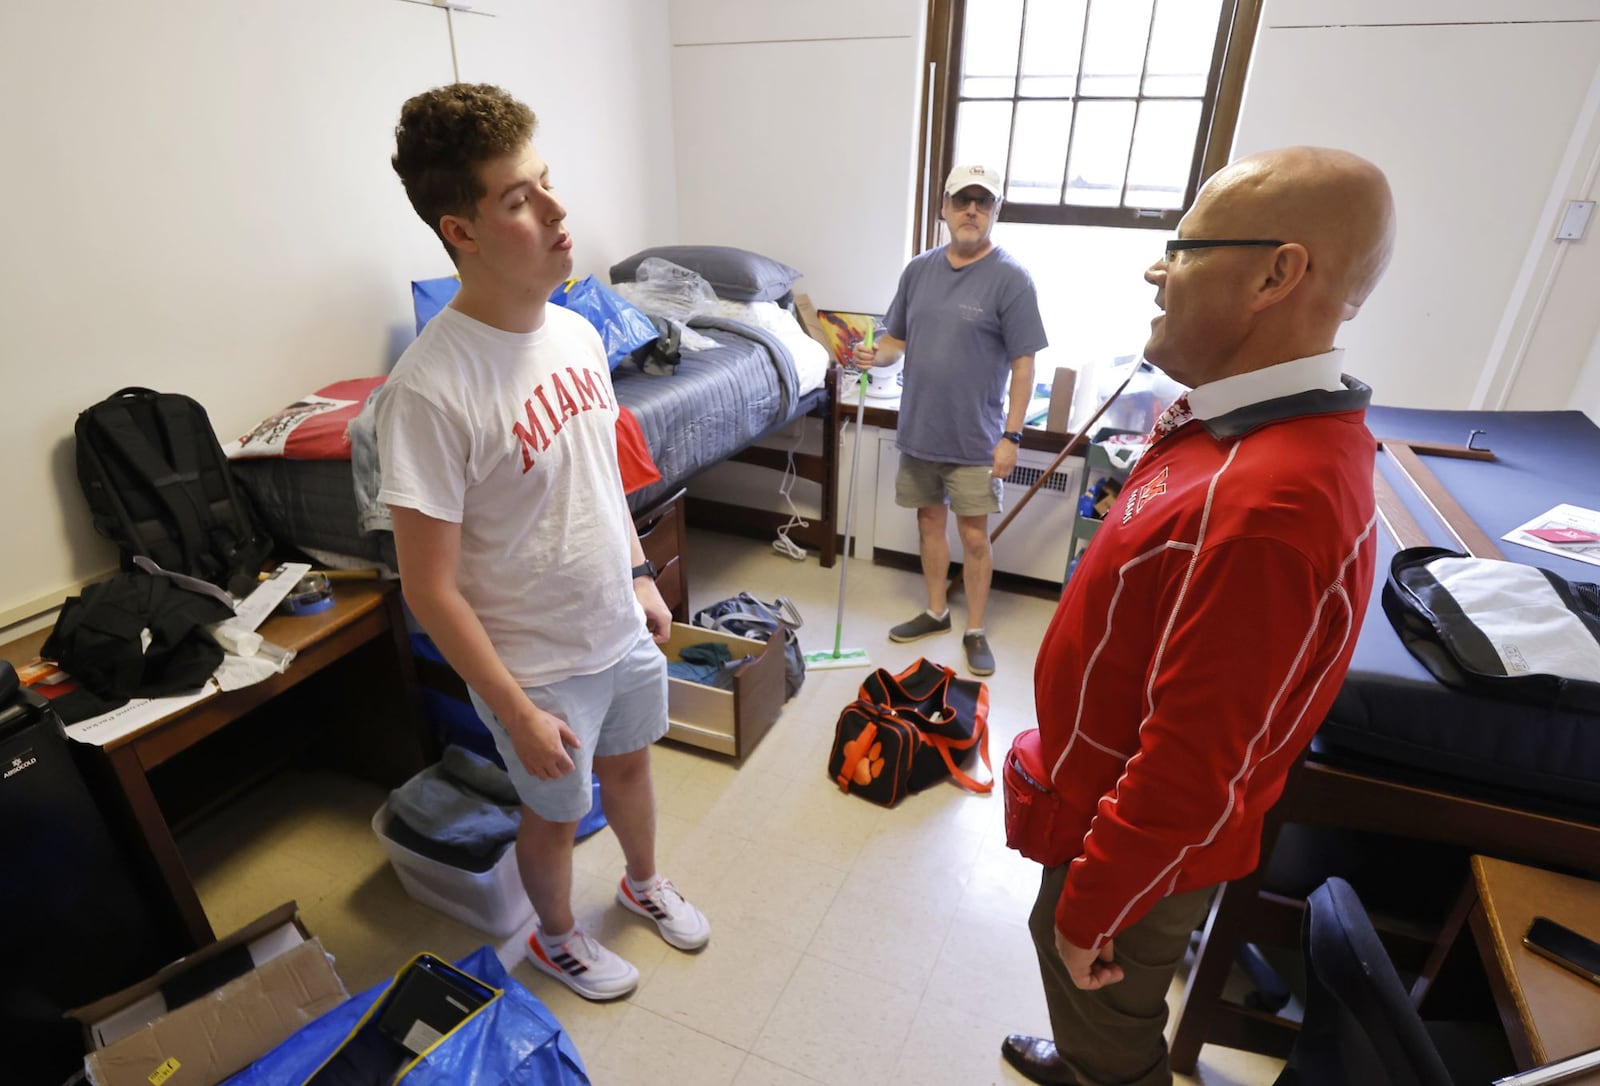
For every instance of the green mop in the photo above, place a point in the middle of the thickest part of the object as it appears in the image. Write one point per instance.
(840, 657)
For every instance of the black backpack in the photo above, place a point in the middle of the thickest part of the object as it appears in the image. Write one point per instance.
(158, 485)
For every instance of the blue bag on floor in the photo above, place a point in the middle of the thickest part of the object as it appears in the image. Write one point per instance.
(623, 327)
(512, 1040)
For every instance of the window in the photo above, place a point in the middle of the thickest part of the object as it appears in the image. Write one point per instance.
(1105, 116)
(1098, 112)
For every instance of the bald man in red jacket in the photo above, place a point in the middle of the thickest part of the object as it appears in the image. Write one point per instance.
(1206, 630)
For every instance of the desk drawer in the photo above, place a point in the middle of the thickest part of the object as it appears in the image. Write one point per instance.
(661, 534)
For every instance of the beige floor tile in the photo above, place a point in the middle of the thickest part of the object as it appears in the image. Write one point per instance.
(812, 819)
(928, 862)
(951, 1045)
(645, 1048)
(988, 961)
(837, 1026)
(756, 1071)
(1002, 885)
(697, 857)
(729, 989)
(888, 935)
(785, 894)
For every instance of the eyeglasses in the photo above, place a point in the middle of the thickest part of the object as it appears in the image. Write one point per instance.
(1178, 245)
(961, 200)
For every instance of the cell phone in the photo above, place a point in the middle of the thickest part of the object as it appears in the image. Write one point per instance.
(1565, 947)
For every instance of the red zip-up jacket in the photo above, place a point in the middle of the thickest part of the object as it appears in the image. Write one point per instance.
(1199, 644)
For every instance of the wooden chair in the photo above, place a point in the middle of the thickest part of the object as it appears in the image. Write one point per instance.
(1321, 793)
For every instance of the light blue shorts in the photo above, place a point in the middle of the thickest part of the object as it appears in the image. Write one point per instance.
(616, 711)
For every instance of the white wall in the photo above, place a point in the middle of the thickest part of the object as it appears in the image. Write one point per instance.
(199, 199)
(1586, 392)
(796, 136)
(1484, 118)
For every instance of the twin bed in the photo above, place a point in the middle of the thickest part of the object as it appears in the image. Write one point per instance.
(763, 374)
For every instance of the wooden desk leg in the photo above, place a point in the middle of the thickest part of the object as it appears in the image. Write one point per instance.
(1219, 946)
(1504, 1001)
(427, 748)
(1449, 936)
(157, 835)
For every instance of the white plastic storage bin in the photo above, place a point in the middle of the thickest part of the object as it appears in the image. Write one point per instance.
(492, 901)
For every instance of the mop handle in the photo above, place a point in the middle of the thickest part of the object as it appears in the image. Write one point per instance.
(850, 510)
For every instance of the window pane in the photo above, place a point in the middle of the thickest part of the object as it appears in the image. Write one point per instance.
(983, 129)
(1113, 57)
(990, 36)
(1099, 153)
(1039, 152)
(1163, 151)
(1092, 294)
(1051, 42)
(1181, 43)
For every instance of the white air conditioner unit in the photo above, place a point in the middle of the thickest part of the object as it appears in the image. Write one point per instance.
(1036, 544)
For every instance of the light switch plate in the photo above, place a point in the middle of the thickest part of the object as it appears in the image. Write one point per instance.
(1574, 220)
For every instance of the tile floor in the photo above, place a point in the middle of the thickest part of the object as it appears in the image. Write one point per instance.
(851, 944)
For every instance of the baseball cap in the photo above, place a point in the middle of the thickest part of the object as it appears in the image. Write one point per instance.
(962, 176)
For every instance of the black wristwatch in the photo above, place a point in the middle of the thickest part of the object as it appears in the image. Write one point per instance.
(646, 568)
(1013, 436)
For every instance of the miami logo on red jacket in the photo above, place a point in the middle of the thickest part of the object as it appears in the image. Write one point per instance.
(1138, 498)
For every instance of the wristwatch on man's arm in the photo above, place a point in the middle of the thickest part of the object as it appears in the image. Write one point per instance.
(646, 568)
(1013, 436)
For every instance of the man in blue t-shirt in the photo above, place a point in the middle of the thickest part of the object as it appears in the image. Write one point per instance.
(966, 317)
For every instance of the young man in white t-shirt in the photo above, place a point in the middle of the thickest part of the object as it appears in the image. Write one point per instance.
(497, 437)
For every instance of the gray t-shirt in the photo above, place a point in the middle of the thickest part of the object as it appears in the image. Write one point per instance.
(962, 327)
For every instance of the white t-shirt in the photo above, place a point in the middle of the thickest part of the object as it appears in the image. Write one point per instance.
(513, 436)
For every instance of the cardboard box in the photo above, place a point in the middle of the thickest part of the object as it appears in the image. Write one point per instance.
(1062, 387)
(238, 998)
(726, 721)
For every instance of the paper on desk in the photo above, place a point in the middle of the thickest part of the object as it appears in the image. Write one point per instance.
(1562, 516)
(250, 659)
(254, 608)
(124, 720)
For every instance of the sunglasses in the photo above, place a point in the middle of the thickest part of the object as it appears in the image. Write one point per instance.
(961, 200)
(1179, 245)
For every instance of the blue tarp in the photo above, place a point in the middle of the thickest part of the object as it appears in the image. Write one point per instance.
(514, 1039)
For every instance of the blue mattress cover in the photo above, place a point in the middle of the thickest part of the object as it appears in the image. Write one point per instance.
(718, 401)
(1390, 708)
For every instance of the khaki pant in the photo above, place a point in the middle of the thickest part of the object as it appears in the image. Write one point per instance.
(1116, 1036)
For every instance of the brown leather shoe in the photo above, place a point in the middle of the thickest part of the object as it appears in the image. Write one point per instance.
(1037, 1059)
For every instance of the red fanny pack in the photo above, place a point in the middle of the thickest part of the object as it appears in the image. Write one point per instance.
(1032, 805)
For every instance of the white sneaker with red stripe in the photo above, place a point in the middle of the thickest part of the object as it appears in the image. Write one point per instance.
(584, 966)
(679, 922)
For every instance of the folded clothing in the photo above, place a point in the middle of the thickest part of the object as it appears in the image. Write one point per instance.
(464, 804)
(708, 664)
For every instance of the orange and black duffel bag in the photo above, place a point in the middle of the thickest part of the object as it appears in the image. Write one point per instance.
(906, 732)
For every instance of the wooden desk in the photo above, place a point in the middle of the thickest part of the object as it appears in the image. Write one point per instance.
(365, 613)
(1548, 1012)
